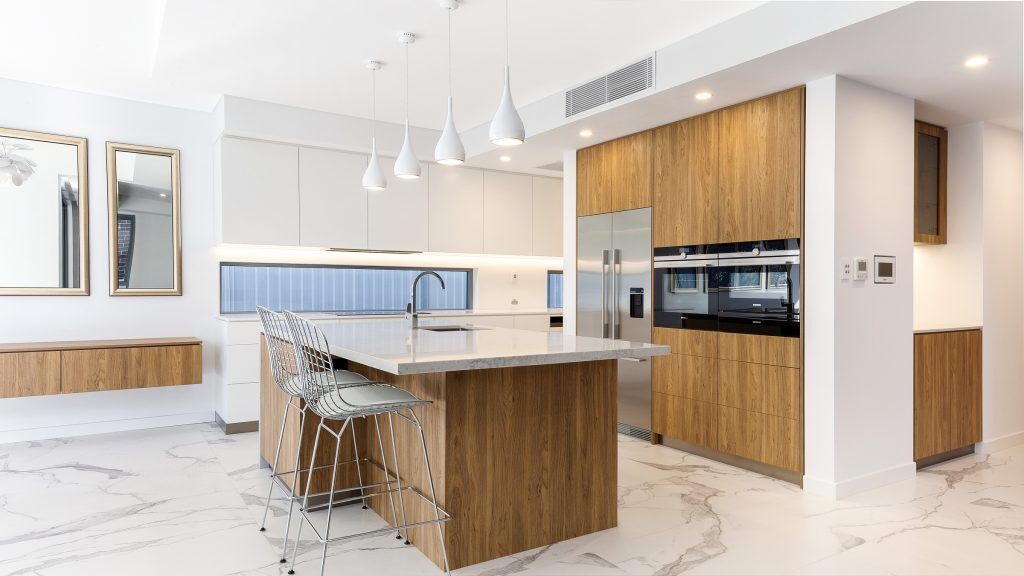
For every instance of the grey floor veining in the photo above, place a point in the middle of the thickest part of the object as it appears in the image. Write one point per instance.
(187, 500)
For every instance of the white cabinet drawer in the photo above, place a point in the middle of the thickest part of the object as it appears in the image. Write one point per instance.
(242, 333)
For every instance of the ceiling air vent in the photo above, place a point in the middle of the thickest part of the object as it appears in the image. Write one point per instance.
(631, 79)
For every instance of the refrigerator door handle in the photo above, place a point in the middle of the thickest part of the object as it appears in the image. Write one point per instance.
(616, 280)
(604, 294)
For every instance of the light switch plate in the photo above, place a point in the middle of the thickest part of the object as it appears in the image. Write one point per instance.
(845, 269)
(860, 268)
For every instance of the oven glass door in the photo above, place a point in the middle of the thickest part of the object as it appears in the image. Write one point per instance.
(759, 295)
(684, 295)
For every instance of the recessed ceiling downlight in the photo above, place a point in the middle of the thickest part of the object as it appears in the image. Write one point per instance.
(585, 133)
(702, 96)
(505, 158)
(976, 61)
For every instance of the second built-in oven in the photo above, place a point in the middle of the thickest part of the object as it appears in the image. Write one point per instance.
(758, 287)
(684, 292)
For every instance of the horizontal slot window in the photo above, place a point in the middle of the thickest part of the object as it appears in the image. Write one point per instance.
(554, 288)
(316, 288)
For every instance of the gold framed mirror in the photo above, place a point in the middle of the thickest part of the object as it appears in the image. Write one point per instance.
(143, 220)
(44, 214)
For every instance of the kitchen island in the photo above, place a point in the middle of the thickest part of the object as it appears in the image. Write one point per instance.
(521, 431)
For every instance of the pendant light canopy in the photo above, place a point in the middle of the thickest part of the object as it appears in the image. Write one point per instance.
(507, 127)
(406, 165)
(449, 150)
(373, 178)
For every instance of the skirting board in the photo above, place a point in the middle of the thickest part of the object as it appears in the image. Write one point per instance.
(237, 427)
(1001, 443)
(863, 483)
(128, 424)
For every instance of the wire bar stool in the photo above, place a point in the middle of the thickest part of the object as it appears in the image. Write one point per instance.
(332, 401)
(284, 368)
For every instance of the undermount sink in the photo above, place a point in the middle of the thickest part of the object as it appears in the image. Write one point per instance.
(452, 328)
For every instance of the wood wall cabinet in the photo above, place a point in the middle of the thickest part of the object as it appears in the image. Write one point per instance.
(615, 176)
(45, 368)
(947, 391)
(686, 182)
(332, 202)
(760, 168)
(930, 149)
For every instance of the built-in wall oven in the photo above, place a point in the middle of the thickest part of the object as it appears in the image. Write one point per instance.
(746, 287)
(758, 287)
(684, 294)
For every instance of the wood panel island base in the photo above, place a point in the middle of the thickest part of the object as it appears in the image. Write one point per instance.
(521, 432)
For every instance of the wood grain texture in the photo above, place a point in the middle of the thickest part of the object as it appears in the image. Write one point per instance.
(769, 439)
(940, 133)
(690, 342)
(691, 377)
(773, 390)
(125, 368)
(96, 344)
(772, 350)
(947, 391)
(760, 168)
(615, 175)
(685, 419)
(685, 193)
(29, 374)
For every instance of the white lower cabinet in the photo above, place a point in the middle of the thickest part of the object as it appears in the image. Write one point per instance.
(495, 321)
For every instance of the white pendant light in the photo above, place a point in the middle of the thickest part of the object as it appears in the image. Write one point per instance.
(406, 165)
(449, 150)
(373, 178)
(507, 127)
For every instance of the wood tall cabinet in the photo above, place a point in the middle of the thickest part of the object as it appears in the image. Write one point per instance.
(615, 175)
(947, 392)
(760, 168)
(686, 182)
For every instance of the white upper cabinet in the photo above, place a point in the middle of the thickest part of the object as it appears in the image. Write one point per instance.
(398, 214)
(508, 213)
(456, 209)
(547, 216)
(332, 200)
(259, 193)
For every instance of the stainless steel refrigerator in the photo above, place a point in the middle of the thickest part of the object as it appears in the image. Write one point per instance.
(613, 288)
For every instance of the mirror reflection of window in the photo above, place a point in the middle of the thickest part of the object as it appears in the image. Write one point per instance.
(144, 220)
(43, 211)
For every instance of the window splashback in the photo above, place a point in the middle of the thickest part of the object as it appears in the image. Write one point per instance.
(317, 288)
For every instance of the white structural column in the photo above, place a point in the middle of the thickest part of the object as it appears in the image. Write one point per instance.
(569, 242)
(859, 335)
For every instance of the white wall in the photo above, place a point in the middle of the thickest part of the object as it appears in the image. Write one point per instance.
(40, 318)
(869, 201)
(1003, 335)
(948, 277)
(569, 242)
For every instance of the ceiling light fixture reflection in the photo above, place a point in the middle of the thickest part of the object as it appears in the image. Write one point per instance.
(976, 61)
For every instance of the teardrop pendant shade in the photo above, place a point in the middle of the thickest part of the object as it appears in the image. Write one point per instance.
(373, 178)
(406, 165)
(449, 150)
(507, 127)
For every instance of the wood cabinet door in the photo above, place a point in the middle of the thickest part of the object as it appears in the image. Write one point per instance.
(760, 168)
(615, 175)
(125, 368)
(685, 419)
(29, 374)
(947, 391)
(686, 182)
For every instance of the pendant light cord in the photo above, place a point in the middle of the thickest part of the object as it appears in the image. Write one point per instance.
(407, 84)
(450, 53)
(373, 104)
(506, 34)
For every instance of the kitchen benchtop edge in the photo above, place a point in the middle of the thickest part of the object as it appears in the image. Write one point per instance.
(945, 329)
(252, 317)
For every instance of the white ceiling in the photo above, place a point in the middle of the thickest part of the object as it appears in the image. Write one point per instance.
(311, 53)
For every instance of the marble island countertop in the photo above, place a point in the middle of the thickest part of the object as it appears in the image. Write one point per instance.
(397, 348)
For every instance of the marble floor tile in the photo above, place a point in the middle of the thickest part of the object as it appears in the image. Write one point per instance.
(188, 500)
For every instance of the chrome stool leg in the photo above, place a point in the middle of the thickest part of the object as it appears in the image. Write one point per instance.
(294, 485)
(277, 457)
(433, 494)
(387, 475)
(305, 496)
(330, 498)
(359, 466)
(398, 477)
